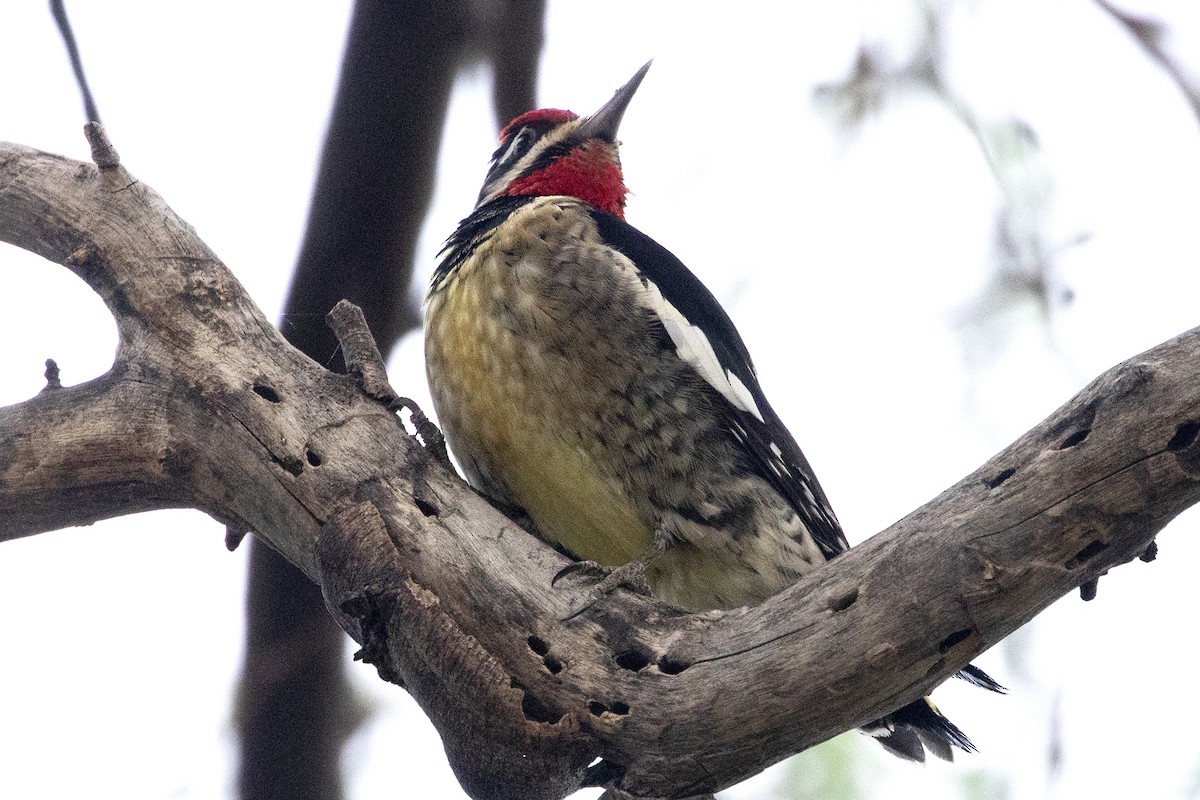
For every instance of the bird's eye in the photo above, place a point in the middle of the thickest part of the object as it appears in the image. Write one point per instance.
(511, 150)
(520, 145)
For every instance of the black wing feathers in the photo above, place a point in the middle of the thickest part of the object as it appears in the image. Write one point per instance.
(771, 448)
(682, 289)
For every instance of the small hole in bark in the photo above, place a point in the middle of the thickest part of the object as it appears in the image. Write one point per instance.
(992, 483)
(671, 666)
(537, 711)
(633, 661)
(292, 464)
(425, 507)
(596, 708)
(1074, 439)
(553, 665)
(533, 709)
(845, 601)
(313, 458)
(538, 645)
(1086, 554)
(953, 639)
(266, 392)
(1184, 436)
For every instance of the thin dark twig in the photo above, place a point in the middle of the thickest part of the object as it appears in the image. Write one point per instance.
(1150, 34)
(59, 10)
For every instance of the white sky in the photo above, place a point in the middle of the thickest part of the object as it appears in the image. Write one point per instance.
(845, 263)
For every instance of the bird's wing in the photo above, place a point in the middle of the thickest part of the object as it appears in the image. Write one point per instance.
(706, 338)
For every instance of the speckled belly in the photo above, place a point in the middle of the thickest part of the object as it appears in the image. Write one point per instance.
(515, 402)
(560, 392)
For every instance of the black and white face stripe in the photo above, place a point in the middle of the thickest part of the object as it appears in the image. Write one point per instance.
(525, 151)
(518, 147)
(509, 153)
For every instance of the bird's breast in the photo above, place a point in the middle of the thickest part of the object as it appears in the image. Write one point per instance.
(511, 355)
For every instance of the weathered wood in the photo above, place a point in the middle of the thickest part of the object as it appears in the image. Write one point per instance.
(207, 406)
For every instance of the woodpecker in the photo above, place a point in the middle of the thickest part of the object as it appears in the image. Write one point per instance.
(583, 374)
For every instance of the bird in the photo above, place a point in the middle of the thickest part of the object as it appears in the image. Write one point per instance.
(585, 377)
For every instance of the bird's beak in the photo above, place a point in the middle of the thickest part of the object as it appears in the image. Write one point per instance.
(604, 123)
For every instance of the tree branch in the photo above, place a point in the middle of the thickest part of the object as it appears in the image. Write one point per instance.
(454, 601)
(1151, 35)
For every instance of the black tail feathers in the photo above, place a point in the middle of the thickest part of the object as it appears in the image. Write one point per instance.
(977, 677)
(917, 728)
(920, 727)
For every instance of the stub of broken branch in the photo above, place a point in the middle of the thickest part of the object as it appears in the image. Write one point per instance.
(364, 363)
(207, 406)
(53, 379)
(104, 155)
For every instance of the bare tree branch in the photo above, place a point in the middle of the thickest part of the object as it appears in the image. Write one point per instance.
(374, 184)
(58, 10)
(1151, 35)
(454, 601)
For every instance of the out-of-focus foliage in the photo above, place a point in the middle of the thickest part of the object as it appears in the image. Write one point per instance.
(1024, 289)
(833, 771)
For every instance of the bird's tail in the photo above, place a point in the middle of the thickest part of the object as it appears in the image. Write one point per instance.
(920, 727)
(916, 728)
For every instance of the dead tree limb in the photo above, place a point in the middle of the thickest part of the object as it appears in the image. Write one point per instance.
(374, 184)
(208, 407)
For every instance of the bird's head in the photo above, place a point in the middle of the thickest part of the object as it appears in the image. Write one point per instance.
(555, 152)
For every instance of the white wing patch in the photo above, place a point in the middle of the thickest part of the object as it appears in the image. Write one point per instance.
(693, 346)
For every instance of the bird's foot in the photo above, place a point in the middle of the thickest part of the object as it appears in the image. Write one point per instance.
(630, 576)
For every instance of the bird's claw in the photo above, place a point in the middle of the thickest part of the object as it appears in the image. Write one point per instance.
(630, 576)
(586, 568)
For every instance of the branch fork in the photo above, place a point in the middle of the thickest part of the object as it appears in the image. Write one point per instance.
(207, 406)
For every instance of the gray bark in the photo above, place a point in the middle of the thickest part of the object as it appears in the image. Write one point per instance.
(207, 406)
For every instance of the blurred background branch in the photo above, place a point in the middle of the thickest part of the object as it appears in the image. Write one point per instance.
(373, 188)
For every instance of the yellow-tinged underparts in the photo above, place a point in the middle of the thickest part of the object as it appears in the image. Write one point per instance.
(509, 404)
(560, 393)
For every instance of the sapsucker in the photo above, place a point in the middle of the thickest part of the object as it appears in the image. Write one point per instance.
(583, 374)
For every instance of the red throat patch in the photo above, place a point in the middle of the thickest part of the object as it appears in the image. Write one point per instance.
(590, 172)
